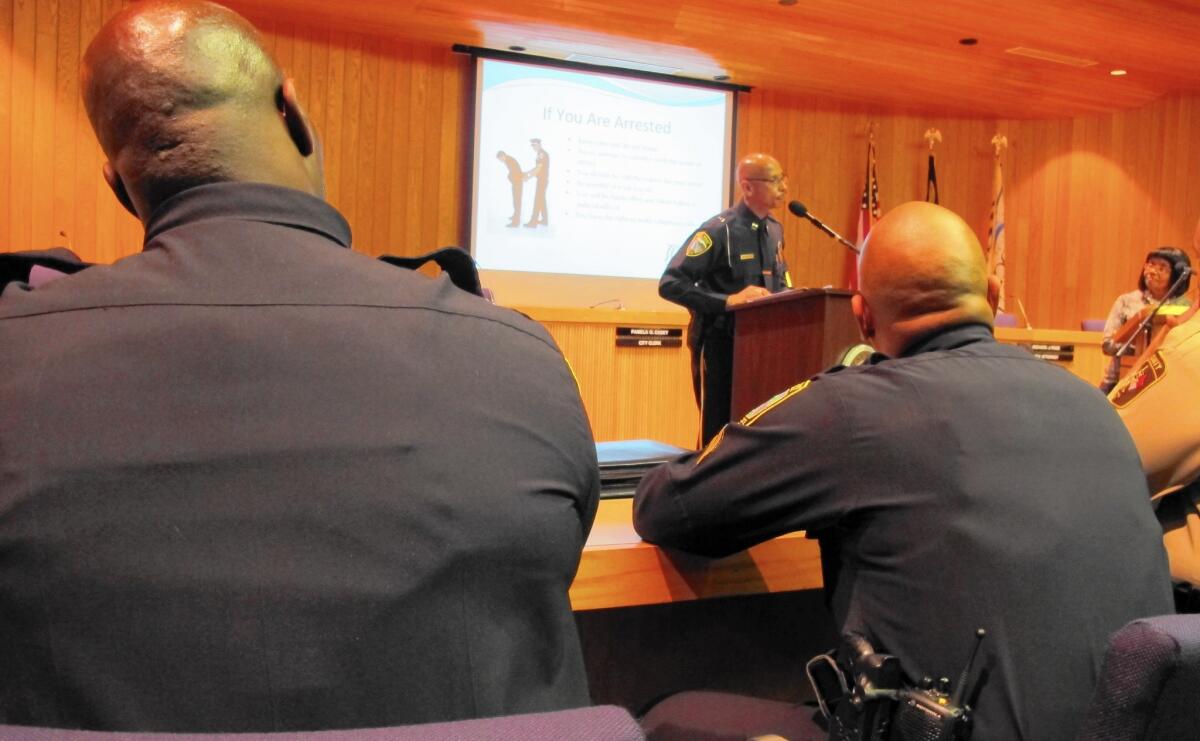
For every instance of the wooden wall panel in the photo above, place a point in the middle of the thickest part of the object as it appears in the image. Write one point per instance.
(629, 393)
(391, 116)
(1087, 198)
(822, 147)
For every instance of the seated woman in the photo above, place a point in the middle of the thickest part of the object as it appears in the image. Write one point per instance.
(1162, 268)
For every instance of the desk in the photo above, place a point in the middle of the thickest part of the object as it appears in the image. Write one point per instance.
(662, 632)
(1088, 362)
(619, 569)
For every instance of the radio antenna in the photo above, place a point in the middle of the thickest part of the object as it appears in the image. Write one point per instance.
(962, 679)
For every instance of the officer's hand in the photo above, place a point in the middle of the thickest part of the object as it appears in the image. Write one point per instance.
(749, 293)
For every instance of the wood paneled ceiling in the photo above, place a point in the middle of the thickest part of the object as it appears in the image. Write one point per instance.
(892, 55)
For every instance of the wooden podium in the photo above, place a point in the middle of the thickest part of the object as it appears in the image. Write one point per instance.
(785, 338)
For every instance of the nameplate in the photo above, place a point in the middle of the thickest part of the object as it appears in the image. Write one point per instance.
(649, 337)
(1052, 351)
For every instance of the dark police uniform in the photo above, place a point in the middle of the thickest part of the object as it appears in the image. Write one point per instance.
(729, 252)
(251, 480)
(963, 485)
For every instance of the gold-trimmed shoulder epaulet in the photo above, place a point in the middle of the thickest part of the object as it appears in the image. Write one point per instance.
(757, 412)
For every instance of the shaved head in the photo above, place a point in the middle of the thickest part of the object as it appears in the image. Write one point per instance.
(182, 93)
(757, 165)
(762, 182)
(922, 270)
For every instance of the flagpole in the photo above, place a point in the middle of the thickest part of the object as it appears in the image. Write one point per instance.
(932, 136)
(996, 258)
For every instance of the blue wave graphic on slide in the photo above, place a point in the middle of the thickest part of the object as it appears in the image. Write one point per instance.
(681, 95)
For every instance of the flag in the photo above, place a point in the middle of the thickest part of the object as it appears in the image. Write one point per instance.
(995, 238)
(931, 186)
(868, 214)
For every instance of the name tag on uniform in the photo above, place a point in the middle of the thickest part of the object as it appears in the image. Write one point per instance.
(746, 256)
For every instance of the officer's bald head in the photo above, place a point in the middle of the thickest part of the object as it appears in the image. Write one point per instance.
(181, 93)
(921, 270)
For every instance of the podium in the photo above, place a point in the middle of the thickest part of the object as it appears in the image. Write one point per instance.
(782, 339)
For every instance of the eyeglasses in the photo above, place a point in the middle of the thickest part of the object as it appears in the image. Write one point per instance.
(780, 178)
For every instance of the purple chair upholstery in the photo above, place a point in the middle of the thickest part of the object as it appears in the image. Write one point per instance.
(1005, 320)
(602, 723)
(720, 716)
(1092, 325)
(1150, 684)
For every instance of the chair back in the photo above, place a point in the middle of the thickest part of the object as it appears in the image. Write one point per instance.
(1005, 320)
(601, 723)
(1148, 686)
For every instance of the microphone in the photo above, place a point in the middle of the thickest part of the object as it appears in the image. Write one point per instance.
(799, 209)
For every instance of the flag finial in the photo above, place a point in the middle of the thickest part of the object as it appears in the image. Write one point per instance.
(933, 136)
(1000, 142)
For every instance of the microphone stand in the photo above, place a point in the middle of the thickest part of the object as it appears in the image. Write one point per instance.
(1149, 317)
(853, 248)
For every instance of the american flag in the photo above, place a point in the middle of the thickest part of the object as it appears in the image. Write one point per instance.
(996, 257)
(868, 213)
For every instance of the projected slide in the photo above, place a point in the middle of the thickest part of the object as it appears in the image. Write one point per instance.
(592, 174)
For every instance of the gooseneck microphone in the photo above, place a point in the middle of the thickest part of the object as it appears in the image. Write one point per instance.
(799, 209)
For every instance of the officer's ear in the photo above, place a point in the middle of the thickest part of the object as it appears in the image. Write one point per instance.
(862, 315)
(993, 293)
(118, 188)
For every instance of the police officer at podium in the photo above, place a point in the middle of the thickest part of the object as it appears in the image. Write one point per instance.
(734, 257)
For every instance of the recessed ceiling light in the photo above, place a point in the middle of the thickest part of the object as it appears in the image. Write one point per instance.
(516, 48)
(1117, 73)
(968, 41)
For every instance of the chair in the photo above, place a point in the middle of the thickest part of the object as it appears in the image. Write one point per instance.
(601, 723)
(1148, 686)
(1092, 325)
(699, 715)
(1005, 320)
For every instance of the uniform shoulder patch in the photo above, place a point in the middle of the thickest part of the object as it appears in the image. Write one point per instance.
(755, 414)
(700, 244)
(1146, 375)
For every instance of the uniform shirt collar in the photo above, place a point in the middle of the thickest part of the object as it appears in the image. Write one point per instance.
(744, 212)
(950, 338)
(271, 204)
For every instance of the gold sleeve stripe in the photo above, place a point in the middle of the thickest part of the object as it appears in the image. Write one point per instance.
(571, 369)
(712, 445)
(757, 413)
(753, 417)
